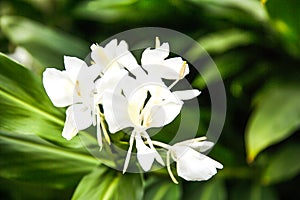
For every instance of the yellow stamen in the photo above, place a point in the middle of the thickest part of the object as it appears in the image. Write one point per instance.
(105, 133)
(157, 42)
(182, 70)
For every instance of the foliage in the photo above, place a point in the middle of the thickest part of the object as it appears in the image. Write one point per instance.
(256, 46)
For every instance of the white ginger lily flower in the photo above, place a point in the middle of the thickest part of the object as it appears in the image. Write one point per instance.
(67, 88)
(113, 57)
(154, 62)
(192, 165)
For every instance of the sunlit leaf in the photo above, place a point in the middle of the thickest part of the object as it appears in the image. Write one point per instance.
(275, 118)
(25, 107)
(31, 159)
(107, 184)
(45, 44)
(283, 165)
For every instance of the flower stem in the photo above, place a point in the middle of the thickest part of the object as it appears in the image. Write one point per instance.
(169, 168)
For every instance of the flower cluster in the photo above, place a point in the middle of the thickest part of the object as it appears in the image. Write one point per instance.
(129, 95)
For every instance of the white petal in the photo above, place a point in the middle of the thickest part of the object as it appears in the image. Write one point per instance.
(194, 166)
(109, 81)
(73, 66)
(115, 111)
(58, 86)
(201, 146)
(126, 59)
(155, 56)
(82, 116)
(70, 128)
(161, 115)
(178, 67)
(145, 154)
(173, 68)
(187, 94)
(162, 107)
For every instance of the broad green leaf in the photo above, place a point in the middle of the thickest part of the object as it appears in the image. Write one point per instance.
(45, 44)
(25, 107)
(30, 159)
(283, 165)
(159, 188)
(107, 184)
(275, 118)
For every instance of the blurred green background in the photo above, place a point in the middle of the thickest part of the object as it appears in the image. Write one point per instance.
(256, 46)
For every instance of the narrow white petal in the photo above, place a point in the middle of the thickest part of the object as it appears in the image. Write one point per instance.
(187, 94)
(70, 128)
(145, 154)
(58, 86)
(127, 159)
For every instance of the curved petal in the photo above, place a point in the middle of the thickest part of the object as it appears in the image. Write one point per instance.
(172, 69)
(70, 128)
(187, 94)
(59, 87)
(126, 59)
(155, 56)
(194, 166)
(162, 107)
(115, 111)
(73, 67)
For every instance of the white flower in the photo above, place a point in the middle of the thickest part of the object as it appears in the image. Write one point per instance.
(68, 88)
(113, 57)
(191, 164)
(154, 62)
(145, 101)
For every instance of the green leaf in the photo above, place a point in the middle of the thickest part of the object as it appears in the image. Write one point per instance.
(286, 21)
(30, 159)
(275, 118)
(159, 188)
(212, 189)
(46, 45)
(251, 7)
(225, 40)
(246, 191)
(283, 165)
(25, 107)
(104, 183)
